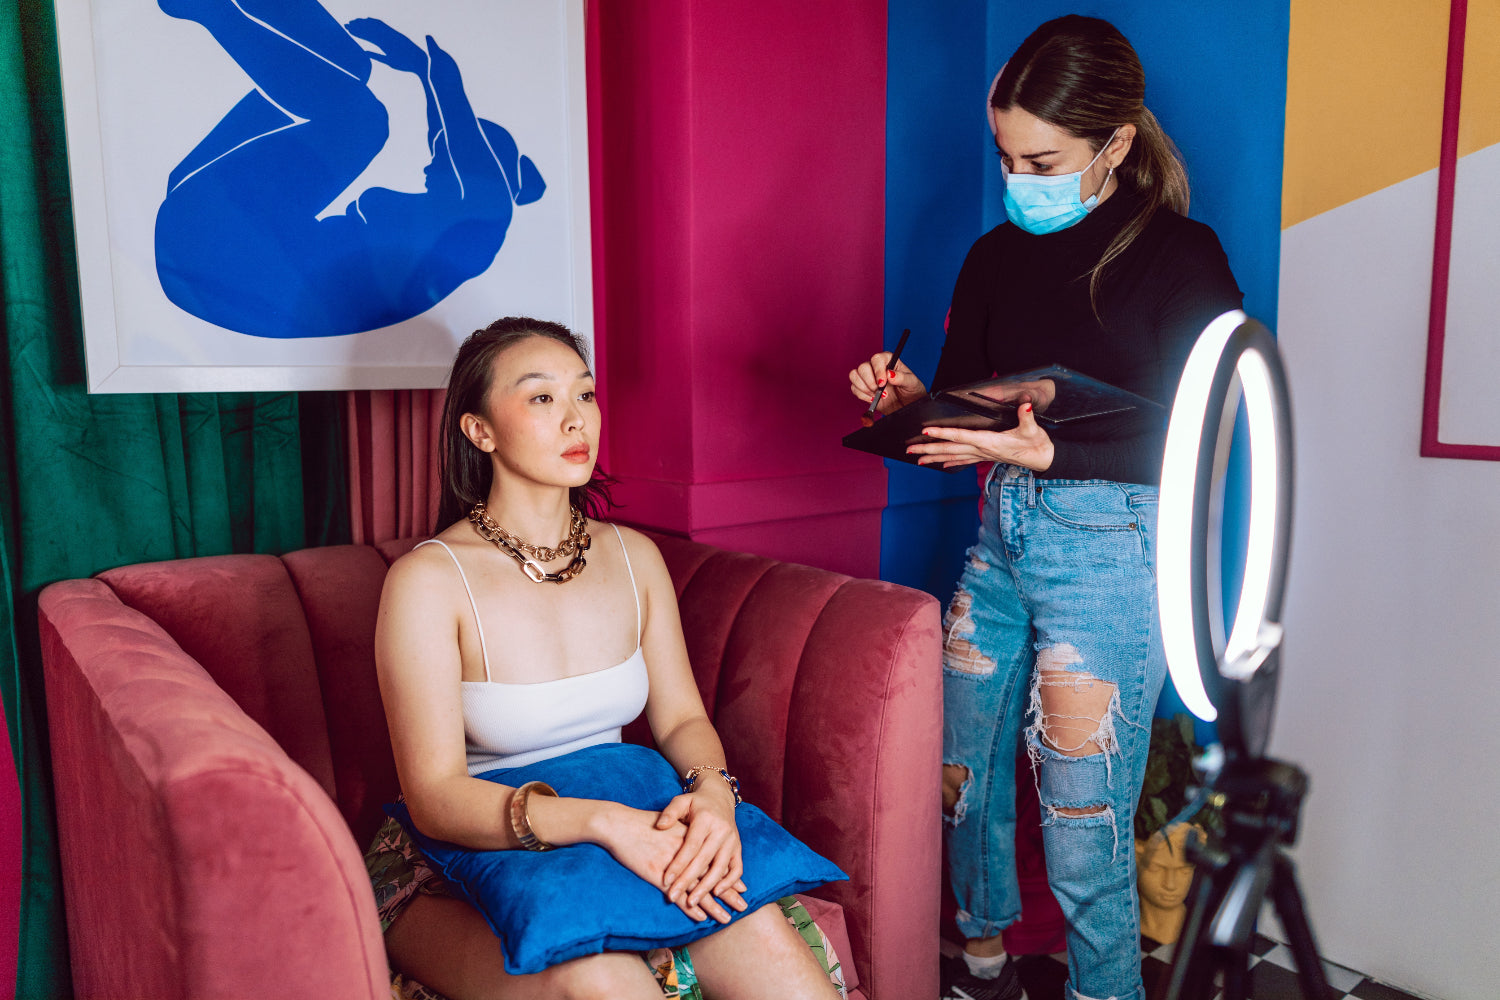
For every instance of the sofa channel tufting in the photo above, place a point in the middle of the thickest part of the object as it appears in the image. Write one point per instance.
(221, 758)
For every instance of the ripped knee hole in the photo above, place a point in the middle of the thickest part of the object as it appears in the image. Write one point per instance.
(1074, 709)
(959, 651)
(954, 778)
(1080, 811)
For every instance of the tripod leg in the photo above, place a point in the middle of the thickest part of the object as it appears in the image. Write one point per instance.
(1237, 975)
(1287, 898)
(1193, 961)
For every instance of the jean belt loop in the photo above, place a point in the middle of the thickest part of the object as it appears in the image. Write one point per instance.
(1031, 487)
(996, 471)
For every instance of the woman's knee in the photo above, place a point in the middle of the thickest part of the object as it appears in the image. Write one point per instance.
(1073, 711)
(607, 976)
(758, 933)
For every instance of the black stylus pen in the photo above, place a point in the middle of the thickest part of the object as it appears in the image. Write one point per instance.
(890, 366)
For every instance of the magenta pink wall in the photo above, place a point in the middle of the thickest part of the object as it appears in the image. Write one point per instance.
(738, 154)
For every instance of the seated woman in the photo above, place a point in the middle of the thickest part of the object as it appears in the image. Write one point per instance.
(496, 652)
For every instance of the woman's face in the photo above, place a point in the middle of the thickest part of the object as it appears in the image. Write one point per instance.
(541, 420)
(1029, 145)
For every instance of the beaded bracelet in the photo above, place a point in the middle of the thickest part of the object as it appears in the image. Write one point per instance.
(520, 816)
(692, 776)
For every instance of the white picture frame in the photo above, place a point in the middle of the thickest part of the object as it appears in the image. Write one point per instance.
(143, 90)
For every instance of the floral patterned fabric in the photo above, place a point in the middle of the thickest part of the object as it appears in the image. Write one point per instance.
(398, 872)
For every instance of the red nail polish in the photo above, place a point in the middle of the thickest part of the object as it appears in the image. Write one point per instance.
(1027, 407)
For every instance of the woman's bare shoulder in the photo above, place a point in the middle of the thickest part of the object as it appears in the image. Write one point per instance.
(638, 545)
(430, 568)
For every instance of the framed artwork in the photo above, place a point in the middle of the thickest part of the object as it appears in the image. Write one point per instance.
(320, 194)
(1461, 408)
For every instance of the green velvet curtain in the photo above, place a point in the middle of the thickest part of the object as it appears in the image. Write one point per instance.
(90, 482)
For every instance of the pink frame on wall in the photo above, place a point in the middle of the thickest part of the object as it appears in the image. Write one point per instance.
(1442, 254)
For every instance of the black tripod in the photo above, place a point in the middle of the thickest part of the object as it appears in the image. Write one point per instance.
(1260, 800)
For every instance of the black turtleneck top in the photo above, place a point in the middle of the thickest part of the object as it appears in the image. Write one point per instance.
(1022, 301)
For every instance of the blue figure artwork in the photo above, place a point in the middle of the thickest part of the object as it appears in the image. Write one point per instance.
(239, 241)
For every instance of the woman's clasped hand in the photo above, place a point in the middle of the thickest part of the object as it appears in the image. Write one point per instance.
(706, 868)
(691, 849)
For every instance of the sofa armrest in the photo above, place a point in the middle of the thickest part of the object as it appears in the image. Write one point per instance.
(864, 767)
(198, 860)
(827, 693)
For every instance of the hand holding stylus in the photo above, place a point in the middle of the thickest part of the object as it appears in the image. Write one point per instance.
(885, 383)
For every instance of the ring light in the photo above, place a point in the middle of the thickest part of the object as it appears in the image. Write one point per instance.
(1232, 681)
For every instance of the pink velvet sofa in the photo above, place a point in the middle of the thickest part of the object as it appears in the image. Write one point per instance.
(221, 759)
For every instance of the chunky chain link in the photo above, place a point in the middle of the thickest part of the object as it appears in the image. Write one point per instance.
(490, 529)
(531, 556)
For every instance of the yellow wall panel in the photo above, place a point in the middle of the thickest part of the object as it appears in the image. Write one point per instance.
(1365, 97)
(1479, 109)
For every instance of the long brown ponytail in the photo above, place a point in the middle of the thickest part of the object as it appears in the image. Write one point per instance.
(1082, 76)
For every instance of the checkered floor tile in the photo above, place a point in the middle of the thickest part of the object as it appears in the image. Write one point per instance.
(1273, 975)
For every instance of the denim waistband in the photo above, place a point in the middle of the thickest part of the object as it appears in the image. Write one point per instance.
(1018, 475)
(1006, 475)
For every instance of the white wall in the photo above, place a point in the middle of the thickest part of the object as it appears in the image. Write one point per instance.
(1390, 696)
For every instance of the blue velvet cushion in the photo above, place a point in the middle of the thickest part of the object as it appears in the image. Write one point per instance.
(551, 906)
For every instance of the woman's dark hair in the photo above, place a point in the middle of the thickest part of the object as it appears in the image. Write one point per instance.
(465, 471)
(1082, 76)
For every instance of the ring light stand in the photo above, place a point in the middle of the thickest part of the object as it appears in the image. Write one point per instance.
(1233, 681)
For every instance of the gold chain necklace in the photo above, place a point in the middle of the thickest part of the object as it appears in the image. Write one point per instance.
(577, 532)
(530, 557)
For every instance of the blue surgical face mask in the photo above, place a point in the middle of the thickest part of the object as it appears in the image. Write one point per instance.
(1045, 203)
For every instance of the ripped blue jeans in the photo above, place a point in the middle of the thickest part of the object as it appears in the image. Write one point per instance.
(1053, 636)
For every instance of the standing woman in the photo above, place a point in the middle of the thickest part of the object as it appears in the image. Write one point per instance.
(1053, 629)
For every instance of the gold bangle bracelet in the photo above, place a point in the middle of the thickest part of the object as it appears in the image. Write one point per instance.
(520, 815)
(689, 779)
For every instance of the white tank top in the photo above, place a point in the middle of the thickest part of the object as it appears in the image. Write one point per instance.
(510, 725)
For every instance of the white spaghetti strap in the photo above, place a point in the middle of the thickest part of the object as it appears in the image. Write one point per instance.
(483, 653)
(633, 589)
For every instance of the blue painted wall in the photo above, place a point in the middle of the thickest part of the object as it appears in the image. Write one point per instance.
(1215, 77)
(935, 162)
